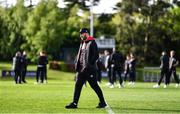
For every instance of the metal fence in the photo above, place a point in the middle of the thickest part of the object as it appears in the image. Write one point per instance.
(150, 75)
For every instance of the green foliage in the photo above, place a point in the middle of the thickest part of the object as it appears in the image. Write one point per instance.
(13, 20)
(139, 27)
(104, 26)
(174, 23)
(44, 29)
(147, 29)
(73, 24)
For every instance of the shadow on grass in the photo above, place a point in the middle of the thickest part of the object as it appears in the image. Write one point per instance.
(7, 78)
(146, 109)
(83, 108)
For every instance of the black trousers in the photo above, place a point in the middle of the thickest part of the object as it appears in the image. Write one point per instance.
(109, 74)
(99, 76)
(40, 74)
(17, 76)
(132, 76)
(45, 75)
(164, 73)
(81, 79)
(118, 71)
(126, 73)
(173, 72)
(24, 74)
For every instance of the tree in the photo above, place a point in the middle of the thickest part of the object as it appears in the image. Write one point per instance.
(44, 29)
(140, 28)
(13, 23)
(128, 28)
(104, 26)
(73, 24)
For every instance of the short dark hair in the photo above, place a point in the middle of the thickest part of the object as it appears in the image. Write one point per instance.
(84, 30)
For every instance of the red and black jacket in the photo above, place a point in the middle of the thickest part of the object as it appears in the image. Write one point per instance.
(89, 58)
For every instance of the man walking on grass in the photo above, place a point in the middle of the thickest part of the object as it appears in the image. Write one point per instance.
(164, 69)
(86, 69)
(173, 62)
(116, 66)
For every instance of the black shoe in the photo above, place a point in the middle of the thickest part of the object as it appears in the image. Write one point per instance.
(71, 106)
(24, 81)
(101, 105)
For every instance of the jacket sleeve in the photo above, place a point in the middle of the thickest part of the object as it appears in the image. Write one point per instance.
(93, 54)
(14, 63)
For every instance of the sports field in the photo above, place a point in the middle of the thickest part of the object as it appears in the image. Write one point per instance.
(52, 97)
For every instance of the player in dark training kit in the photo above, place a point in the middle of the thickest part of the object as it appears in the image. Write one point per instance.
(86, 69)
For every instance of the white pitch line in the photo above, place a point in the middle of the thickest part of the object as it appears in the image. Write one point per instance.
(109, 110)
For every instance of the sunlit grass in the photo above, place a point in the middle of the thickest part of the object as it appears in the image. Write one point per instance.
(52, 97)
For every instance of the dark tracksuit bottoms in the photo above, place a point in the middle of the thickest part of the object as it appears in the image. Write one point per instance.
(109, 75)
(125, 75)
(173, 71)
(99, 76)
(118, 71)
(24, 70)
(17, 75)
(164, 72)
(40, 74)
(132, 75)
(91, 78)
(45, 75)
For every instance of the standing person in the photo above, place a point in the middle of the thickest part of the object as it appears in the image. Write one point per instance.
(173, 62)
(126, 67)
(24, 66)
(45, 76)
(17, 62)
(86, 69)
(99, 68)
(132, 69)
(116, 65)
(41, 67)
(164, 69)
(108, 67)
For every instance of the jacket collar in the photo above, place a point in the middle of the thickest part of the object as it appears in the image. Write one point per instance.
(88, 39)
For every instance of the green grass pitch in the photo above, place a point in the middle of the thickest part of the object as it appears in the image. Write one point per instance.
(52, 97)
